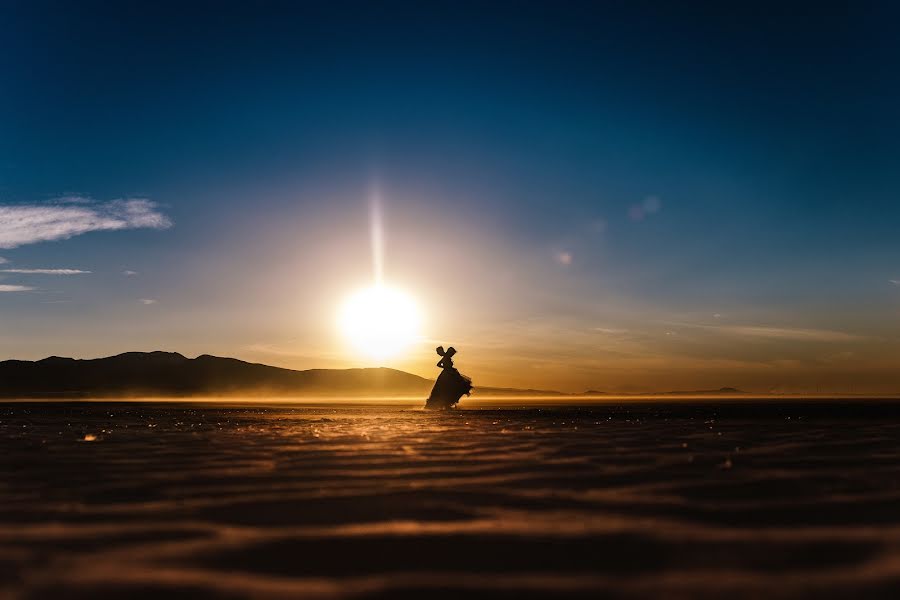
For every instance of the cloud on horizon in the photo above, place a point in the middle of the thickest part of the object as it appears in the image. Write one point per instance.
(790, 333)
(778, 333)
(45, 271)
(15, 288)
(32, 223)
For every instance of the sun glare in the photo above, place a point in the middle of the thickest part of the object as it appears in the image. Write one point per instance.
(380, 322)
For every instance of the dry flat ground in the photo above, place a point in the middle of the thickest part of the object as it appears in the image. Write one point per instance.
(668, 499)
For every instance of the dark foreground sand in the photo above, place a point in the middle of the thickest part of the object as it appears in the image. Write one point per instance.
(684, 499)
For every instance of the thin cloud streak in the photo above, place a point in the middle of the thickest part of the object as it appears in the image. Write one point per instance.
(45, 271)
(31, 223)
(785, 333)
(15, 288)
(778, 333)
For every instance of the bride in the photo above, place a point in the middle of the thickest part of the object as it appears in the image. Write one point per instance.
(450, 385)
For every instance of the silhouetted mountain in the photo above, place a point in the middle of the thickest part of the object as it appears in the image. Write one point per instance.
(497, 391)
(166, 374)
(724, 390)
(169, 374)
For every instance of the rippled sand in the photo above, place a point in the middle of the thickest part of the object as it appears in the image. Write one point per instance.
(684, 499)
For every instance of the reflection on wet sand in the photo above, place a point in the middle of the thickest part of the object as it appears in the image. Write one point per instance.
(649, 499)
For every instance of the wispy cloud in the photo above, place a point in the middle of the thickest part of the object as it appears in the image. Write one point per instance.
(610, 330)
(894, 281)
(147, 301)
(650, 206)
(45, 271)
(777, 333)
(31, 223)
(73, 199)
(129, 273)
(790, 333)
(15, 288)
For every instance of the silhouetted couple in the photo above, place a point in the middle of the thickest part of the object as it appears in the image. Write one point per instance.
(450, 385)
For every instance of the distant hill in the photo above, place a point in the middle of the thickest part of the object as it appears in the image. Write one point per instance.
(724, 390)
(169, 374)
(498, 391)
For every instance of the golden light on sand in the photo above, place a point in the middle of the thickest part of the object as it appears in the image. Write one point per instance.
(380, 322)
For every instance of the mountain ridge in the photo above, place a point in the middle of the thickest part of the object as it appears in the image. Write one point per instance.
(171, 374)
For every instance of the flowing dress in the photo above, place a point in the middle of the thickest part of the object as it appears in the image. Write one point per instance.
(450, 386)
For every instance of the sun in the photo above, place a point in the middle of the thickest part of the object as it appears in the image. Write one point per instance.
(380, 322)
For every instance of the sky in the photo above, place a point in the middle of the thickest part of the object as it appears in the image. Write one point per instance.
(620, 196)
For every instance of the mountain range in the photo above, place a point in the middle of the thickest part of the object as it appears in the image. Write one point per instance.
(170, 374)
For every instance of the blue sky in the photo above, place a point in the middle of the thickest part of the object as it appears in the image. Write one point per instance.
(609, 195)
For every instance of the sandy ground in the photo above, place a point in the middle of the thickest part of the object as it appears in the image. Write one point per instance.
(678, 499)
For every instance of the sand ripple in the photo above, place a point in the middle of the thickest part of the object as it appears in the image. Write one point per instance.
(677, 500)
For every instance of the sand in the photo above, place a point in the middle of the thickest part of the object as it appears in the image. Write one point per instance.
(665, 499)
